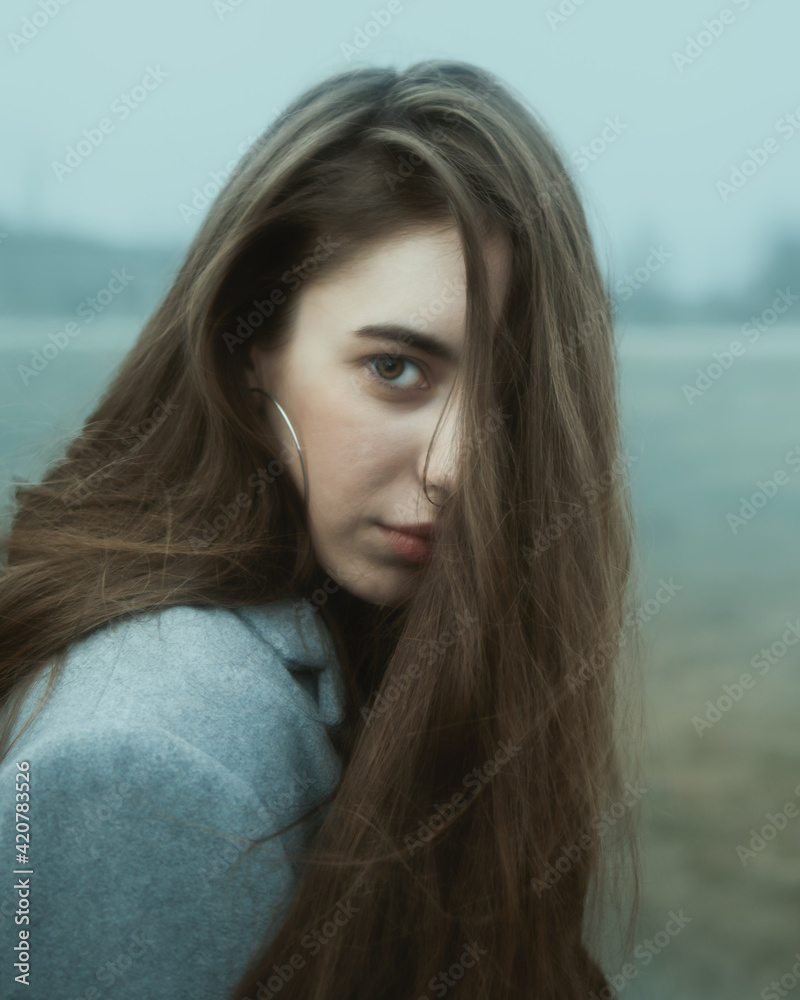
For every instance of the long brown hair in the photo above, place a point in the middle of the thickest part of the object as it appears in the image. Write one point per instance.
(471, 836)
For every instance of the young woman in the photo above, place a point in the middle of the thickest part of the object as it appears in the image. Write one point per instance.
(317, 628)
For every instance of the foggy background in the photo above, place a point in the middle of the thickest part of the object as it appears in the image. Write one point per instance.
(693, 201)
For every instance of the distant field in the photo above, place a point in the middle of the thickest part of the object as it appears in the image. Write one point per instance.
(695, 462)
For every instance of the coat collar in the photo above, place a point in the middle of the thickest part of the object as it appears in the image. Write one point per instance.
(294, 630)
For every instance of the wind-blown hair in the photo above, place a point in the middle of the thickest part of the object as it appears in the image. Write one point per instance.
(482, 803)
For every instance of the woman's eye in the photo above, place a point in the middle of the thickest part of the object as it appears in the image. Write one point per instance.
(391, 364)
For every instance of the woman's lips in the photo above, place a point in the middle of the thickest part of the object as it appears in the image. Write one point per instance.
(412, 547)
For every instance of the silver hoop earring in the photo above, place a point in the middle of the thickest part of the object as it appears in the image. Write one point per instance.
(256, 388)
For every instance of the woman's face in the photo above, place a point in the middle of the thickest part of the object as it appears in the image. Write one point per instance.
(364, 407)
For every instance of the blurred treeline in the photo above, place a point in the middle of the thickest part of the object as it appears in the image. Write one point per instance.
(51, 274)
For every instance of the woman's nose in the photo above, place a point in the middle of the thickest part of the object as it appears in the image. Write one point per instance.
(444, 446)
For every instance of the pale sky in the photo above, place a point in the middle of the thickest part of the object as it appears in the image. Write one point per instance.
(207, 76)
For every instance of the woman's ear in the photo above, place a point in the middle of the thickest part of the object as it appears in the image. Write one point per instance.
(255, 369)
(261, 367)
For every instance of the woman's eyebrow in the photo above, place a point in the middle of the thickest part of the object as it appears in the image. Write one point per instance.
(411, 338)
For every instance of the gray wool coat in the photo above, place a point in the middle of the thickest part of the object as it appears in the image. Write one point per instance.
(169, 741)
